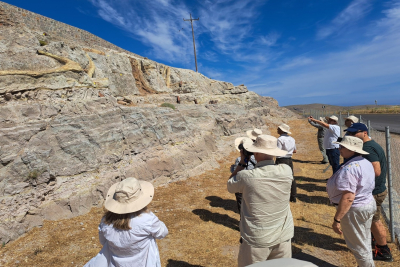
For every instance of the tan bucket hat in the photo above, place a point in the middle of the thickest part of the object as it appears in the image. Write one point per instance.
(333, 117)
(252, 134)
(241, 140)
(354, 119)
(285, 128)
(265, 144)
(352, 143)
(128, 196)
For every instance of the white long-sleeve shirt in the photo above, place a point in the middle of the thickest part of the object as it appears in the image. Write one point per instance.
(286, 142)
(130, 248)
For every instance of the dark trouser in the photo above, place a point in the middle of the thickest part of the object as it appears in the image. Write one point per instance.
(334, 158)
(288, 161)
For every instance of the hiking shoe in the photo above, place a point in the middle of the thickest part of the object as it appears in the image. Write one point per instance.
(382, 254)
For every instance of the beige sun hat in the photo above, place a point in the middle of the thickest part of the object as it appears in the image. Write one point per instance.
(285, 128)
(352, 143)
(323, 119)
(354, 119)
(252, 134)
(265, 144)
(241, 140)
(333, 117)
(128, 196)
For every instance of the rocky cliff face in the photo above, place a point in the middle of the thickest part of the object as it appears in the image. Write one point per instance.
(74, 120)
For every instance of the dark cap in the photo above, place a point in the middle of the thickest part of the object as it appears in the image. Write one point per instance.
(356, 127)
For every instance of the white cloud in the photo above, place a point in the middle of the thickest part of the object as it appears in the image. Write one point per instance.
(156, 23)
(352, 13)
(357, 74)
(270, 39)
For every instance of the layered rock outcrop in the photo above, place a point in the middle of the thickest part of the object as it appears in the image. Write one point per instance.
(74, 120)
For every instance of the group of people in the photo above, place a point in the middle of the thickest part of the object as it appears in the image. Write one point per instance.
(263, 182)
(357, 187)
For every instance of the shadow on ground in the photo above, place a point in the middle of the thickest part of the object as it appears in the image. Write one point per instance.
(215, 217)
(304, 235)
(308, 161)
(174, 263)
(313, 199)
(227, 204)
(311, 187)
(310, 180)
(307, 257)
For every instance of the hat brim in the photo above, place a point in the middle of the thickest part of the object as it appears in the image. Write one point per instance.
(240, 140)
(268, 151)
(283, 130)
(352, 148)
(251, 135)
(329, 118)
(122, 208)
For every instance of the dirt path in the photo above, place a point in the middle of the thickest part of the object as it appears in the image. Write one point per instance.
(203, 222)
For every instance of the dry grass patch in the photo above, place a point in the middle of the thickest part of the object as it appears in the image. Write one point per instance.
(202, 220)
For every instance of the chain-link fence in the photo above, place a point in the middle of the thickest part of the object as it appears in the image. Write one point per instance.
(391, 205)
(391, 146)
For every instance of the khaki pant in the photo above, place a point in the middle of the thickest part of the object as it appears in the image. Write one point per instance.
(249, 255)
(356, 228)
(379, 198)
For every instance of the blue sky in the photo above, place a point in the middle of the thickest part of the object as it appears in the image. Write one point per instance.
(339, 52)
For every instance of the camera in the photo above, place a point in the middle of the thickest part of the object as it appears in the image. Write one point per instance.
(246, 153)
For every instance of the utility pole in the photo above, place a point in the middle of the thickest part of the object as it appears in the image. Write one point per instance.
(194, 44)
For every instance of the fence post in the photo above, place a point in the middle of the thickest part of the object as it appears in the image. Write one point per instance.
(389, 177)
(348, 114)
(360, 119)
(369, 127)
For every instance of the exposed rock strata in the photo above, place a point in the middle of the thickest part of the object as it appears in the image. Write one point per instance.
(66, 136)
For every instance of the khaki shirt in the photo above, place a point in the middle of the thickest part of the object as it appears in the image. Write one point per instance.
(266, 219)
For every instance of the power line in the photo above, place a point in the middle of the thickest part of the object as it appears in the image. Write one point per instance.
(194, 44)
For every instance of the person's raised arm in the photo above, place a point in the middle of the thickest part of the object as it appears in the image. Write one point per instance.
(323, 124)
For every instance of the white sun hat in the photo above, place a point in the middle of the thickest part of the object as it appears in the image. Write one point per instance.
(333, 117)
(323, 119)
(128, 196)
(352, 143)
(241, 140)
(265, 144)
(354, 119)
(285, 128)
(252, 134)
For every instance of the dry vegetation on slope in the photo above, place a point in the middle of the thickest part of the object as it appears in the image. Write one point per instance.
(203, 222)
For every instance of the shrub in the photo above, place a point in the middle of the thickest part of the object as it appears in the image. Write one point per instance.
(167, 105)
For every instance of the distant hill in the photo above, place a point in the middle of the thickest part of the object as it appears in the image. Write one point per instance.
(360, 109)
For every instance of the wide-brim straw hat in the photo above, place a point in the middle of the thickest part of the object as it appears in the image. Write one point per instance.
(252, 134)
(354, 119)
(284, 128)
(333, 117)
(323, 119)
(128, 196)
(240, 140)
(353, 143)
(265, 144)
